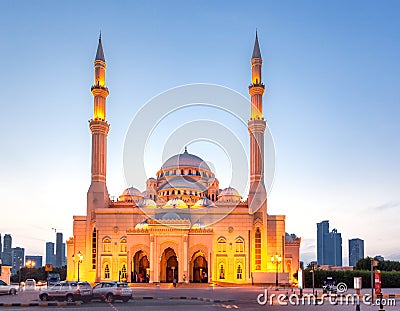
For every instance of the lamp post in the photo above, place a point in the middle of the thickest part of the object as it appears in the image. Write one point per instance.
(276, 260)
(313, 278)
(78, 258)
(30, 264)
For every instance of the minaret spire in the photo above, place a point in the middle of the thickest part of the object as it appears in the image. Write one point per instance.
(100, 53)
(256, 49)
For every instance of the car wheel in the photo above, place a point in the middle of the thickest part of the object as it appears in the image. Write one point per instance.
(44, 297)
(13, 291)
(125, 299)
(69, 298)
(109, 298)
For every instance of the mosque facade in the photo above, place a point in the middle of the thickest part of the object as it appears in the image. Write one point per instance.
(183, 226)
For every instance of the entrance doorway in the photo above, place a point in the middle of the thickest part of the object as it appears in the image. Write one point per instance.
(200, 268)
(169, 266)
(141, 268)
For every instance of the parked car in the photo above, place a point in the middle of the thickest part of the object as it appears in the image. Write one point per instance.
(53, 279)
(30, 284)
(8, 289)
(69, 291)
(329, 286)
(110, 291)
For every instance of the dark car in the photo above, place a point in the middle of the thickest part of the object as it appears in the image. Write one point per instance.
(329, 286)
(110, 291)
(69, 291)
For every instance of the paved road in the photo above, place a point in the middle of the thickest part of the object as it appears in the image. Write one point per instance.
(217, 298)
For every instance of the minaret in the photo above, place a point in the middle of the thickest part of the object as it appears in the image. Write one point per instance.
(99, 127)
(257, 200)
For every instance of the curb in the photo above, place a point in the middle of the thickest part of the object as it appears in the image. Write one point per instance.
(40, 304)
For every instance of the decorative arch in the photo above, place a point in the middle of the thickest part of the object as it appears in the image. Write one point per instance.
(221, 241)
(168, 244)
(239, 244)
(169, 265)
(106, 270)
(139, 247)
(106, 244)
(198, 269)
(123, 242)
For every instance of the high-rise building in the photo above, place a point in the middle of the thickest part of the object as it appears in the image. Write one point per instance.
(329, 245)
(18, 259)
(50, 257)
(7, 249)
(356, 251)
(59, 250)
(63, 258)
(38, 260)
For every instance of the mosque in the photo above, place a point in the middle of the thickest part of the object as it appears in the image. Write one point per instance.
(165, 232)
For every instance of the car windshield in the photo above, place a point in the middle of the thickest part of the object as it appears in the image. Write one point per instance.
(122, 285)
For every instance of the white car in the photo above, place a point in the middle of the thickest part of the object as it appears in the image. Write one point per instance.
(110, 291)
(8, 289)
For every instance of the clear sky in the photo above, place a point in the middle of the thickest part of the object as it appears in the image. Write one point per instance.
(332, 73)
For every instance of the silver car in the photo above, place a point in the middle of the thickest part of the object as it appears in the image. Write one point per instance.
(69, 291)
(110, 291)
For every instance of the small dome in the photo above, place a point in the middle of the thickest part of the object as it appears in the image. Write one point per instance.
(203, 202)
(147, 203)
(229, 192)
(198, 225)
(133, 192)
(175, 203)
(171, 216)
(152, 179)
(142, 225)
(185, 159)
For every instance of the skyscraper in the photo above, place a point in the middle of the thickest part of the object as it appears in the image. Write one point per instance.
(329, 245)
(59, 249)
(18, 259)
(6, 256)
(356, 251)
(50, 258)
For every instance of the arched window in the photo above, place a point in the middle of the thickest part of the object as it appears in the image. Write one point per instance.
(222, 245)
(123, 273)
(239, 272)
(106, 245)
(257, 247)
(221, 271)
(239, 245)
(106, 271)
(123, 244)
(94, 248)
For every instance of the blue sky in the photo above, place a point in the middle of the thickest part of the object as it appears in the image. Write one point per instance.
(332, 103)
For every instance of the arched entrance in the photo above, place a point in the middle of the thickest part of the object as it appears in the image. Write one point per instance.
(199, 268)
(168, 266)
(140, 267)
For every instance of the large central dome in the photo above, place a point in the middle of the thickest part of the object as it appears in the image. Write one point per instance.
(185, 160)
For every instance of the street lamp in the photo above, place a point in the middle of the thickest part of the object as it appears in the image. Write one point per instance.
(30, 264)
(276, 260)
(78, 258)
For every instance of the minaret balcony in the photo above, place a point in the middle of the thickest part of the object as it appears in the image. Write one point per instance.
(99, 87)
(257, 85)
